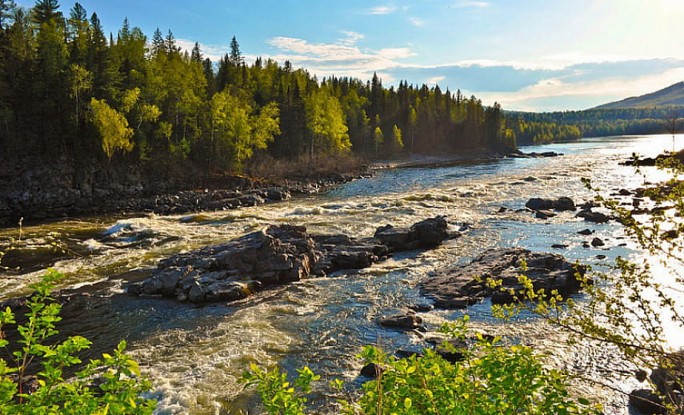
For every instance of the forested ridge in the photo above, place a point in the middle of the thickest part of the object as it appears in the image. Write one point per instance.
(595, 122)
(70, 90)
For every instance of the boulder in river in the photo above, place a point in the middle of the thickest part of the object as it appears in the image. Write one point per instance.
(668, 384)
(233, 270)
(465, 285)
(591, 216)
(276, 255)
(560, 204)
(425, 234)
(646, 401)
(404, 321)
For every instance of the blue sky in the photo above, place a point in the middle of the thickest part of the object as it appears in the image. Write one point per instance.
(538, 55)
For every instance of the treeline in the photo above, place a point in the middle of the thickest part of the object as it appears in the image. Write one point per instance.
(598, 122)
(67, 89)
(543, 132)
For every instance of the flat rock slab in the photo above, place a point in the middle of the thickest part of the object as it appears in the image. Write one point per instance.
(276, 255)
(462, 286)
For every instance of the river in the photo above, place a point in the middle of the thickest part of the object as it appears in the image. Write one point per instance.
(194, 354)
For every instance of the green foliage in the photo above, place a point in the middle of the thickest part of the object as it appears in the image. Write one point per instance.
(111, 385)
(236, 129)
(326, 124)
(491, 379)
(278, 394)
(543, 127)
(398, 143)
(112, 127)
(378, 138)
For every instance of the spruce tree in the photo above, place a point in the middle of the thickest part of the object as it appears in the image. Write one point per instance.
(45, 10)
(235, 54)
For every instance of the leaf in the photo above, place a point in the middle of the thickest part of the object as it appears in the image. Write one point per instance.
(408, 403)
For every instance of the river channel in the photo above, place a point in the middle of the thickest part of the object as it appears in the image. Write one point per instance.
(195, 354)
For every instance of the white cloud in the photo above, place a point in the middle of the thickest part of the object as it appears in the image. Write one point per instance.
(342, 58)
(435, 80)
(318, 51)
(476, 4)
(601, 91)
(395, 53)
(382, 10)
(351, 38)
(416, 21)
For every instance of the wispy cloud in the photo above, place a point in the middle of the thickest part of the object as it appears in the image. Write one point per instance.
(382, 10)
(417, 21)
(560, 94)
(577, 86)
(475, 4)
(351, 38)
(342, 58)
(395, 53)
(435, 80)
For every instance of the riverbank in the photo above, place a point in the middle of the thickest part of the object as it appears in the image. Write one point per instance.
(415, 161)
(34, 191)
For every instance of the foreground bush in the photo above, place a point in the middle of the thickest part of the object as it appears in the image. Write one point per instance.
(32, 380)
(490, 379)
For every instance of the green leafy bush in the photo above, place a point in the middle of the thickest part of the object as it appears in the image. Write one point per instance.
(110, 385)
(491, 379)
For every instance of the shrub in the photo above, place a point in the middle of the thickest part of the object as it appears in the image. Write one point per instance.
(110, 385)
(491, 379)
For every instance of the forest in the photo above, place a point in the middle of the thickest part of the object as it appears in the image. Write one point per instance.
(568, 125)
(69, 90)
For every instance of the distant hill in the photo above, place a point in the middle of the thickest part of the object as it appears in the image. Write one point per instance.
(672, 95)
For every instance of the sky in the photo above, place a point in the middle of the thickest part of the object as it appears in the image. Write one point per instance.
(528, 55)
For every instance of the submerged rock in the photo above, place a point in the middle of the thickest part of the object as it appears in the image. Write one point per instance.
(596, 242)
(465, 285)
(276, 255)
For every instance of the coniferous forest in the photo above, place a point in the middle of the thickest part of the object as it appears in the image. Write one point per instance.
(70, 90)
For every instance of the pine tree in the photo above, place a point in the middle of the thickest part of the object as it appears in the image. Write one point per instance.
(46, 10)
(235, 54)
(97, 61)
(196, 54)
(158, 43)
(77, 32)
(170, 43)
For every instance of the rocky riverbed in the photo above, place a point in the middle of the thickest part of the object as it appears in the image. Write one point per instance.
(278, 255)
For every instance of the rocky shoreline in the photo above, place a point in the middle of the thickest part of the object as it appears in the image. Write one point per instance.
(58, 190)
(34, 191)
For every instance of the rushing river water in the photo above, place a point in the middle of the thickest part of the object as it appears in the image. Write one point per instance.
(195, 354)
